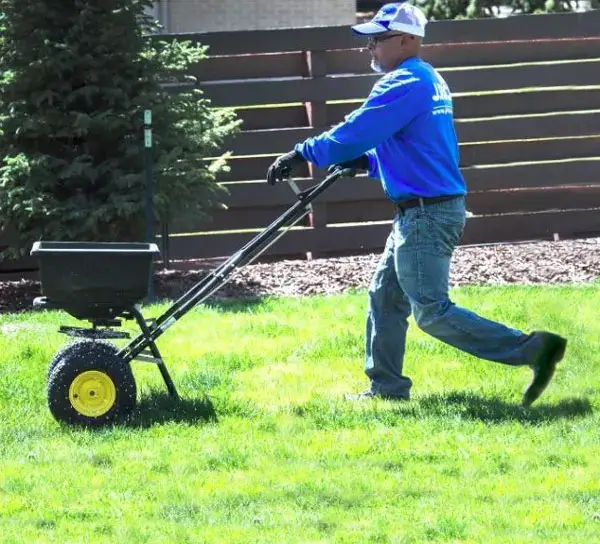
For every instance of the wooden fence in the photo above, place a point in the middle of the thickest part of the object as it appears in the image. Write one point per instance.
(527, 109)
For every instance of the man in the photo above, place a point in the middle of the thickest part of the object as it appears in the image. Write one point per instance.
(403, 134)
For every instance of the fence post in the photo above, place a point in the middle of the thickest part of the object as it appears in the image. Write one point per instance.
(149, 196)
(165, 244)
(316, 62)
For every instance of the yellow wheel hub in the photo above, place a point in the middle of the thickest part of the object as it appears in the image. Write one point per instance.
(92, 393)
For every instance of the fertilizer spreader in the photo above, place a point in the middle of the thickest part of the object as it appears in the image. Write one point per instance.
(90, 380)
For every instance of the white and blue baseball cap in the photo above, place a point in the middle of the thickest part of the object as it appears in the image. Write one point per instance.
(400, 16)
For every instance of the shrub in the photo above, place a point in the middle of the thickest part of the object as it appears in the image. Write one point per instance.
(78, 76)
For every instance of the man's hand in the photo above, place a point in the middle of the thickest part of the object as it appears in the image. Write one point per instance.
(360, 163)
(282, 167)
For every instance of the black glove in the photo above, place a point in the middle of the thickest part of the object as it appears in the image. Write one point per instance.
(359, 163)
(282, 167)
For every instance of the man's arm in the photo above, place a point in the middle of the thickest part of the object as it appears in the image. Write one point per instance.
(373, 169)
(391, 105)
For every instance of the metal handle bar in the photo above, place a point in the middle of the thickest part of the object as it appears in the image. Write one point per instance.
(217, 278)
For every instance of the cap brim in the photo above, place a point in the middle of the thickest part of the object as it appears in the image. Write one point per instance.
(369, 28)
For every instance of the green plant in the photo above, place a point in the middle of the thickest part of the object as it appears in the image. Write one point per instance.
(470, 9)
(73, 97)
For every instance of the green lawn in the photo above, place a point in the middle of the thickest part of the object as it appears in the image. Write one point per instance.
(263, 447)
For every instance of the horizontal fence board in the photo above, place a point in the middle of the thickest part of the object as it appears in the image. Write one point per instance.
(362, 188)
(270, 41)
(274, 91)
(294, 241)
(357, 61)
(359, 212)
(517, 176)
(535, 200)
(528, 102)
(528, 151)
(380, 208)
(473, 106)
(12, 265)
(475, 161)
(257, 216)
(268, 141)
(551, 126)
(489, 203)
(486, 105)
(531, 226)
(253, 168)
(465, 107)
(371, 237)
(258, 194)
(250, 66)
(257, 204)
(279, 91)
(506, 52)
(274, 117)
(573, 74)
(521, 27)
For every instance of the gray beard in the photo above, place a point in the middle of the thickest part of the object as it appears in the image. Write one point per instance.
(376, 67)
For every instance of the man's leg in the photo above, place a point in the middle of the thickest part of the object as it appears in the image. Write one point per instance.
(426, 239)
(387, 323)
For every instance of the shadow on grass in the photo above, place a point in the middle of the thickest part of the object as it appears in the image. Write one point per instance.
(158, 407)
(495, 410)
(241, 304)
(232, 305)
(451, 406)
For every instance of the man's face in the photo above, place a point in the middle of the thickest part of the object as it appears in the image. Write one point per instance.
(386, 50)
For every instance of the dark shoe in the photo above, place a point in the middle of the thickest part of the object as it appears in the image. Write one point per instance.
(551, 352)
(368, 395)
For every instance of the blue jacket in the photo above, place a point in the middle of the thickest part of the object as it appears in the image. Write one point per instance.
(406, 128)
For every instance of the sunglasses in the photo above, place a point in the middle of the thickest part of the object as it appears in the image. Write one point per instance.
(374, 40)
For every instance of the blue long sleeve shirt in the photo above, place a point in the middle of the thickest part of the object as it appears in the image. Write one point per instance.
(406, 128)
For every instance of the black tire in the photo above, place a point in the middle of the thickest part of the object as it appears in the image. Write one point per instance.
(91, 387)
(82, 346)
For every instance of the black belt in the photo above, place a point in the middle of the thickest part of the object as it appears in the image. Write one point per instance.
(423, 201)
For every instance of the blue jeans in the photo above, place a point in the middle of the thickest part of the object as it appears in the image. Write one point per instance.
(412, 277)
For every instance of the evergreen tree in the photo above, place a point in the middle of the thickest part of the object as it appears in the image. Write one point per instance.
(78, 75)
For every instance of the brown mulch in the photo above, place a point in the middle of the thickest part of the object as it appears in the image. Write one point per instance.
(572, 261)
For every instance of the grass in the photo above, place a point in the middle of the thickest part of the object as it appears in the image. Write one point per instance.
(264, 448)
